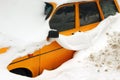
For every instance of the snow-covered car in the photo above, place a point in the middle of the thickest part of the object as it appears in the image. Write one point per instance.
(67, 19)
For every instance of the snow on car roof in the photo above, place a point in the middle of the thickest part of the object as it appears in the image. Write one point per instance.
(59, 2)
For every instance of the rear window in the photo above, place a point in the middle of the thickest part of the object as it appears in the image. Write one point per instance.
(89, 13)
(108, 7)
(64, 18)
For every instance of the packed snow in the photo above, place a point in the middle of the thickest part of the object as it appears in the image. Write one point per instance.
(24, 30)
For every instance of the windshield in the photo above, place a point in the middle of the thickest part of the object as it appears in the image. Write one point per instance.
(48, 10)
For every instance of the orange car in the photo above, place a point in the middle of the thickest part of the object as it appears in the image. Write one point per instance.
(67, 19)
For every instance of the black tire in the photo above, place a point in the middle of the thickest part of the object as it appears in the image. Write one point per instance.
(22, 71)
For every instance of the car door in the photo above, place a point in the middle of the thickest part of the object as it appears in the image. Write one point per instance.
(63, 19)
(53, 55)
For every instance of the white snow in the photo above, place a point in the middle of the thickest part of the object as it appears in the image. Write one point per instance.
(84, 40)
(59, 2)
(98, 61)
(23, 29)
(23, 20)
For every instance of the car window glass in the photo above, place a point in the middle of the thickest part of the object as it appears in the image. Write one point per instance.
(64, 18)
(48, 10)
(108, 7)
(89, 13)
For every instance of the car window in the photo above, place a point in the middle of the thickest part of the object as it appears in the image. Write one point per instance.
(108, 7)
(64, 18)
(48, 10)
(89, 13)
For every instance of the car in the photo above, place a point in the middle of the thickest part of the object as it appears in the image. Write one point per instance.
(67, 19)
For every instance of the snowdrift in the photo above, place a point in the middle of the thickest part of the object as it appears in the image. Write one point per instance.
(23, 21)
(23, 30)
(84, 40)
(98, 60)
(98, 55)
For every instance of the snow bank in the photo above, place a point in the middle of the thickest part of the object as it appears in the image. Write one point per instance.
(22, 26)
(98, 61)
(84, 40)
(24, 30)
(23, 20)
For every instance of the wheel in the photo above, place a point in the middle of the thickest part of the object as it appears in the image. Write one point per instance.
(22, 71)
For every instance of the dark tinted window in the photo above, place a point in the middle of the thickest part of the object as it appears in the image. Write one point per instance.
(108, 7)
(48, 9)
(63, 19)
(89, 13)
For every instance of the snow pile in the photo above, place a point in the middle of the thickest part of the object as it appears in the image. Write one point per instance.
(22, 25)
(23, 20)
(100, 61)
(84, 40)
(23, 30)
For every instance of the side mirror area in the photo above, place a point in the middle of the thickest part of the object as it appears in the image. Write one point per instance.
(53, 34)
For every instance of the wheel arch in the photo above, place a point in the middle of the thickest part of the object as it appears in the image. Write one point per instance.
(22, 71)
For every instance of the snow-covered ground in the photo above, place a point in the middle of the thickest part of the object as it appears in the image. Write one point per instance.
(98, 61)
(97, 58)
